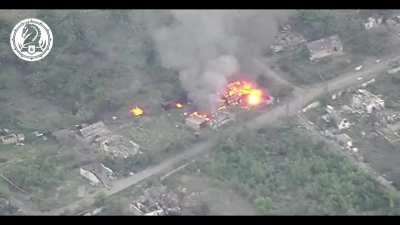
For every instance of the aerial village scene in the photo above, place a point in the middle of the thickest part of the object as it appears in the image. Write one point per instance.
(221, 112)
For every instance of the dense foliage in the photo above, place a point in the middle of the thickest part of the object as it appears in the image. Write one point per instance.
(283, 172)
(317, 24)
(96, 54)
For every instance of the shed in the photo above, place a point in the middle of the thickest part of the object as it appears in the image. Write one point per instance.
(91, 132)
(196, 122)
(325, 47)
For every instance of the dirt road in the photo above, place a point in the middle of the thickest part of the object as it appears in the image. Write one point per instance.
(360, 164)
(289, 108)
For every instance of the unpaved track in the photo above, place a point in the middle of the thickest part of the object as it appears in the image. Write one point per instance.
(301, 98)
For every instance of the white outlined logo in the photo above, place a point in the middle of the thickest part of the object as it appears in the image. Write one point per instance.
(31, 39)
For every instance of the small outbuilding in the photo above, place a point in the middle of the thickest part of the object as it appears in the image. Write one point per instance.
(331, 46)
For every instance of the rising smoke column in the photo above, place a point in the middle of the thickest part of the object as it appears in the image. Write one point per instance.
(209, 46)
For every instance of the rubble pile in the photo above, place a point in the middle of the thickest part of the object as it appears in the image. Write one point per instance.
(287, 40)
(7, 137)
(157, 201)
(161, 201)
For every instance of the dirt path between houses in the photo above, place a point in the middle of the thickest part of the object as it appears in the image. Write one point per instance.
(361, 165)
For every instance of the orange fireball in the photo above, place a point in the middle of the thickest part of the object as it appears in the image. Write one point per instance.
(137, 111)
(255, 97)
(237, 91)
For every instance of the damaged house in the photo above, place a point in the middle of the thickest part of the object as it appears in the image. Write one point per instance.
(196, 122)
(220, 119)
(392, 132)
(12, 139)
(334, 116)
(157, 201)
(109, 143)
(287, 40)
(331, 46)
(97, 174)
(118, 146)
(373, 22)
(92, 132)
(364, 100)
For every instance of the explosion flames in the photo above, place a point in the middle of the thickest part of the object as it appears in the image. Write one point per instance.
(238, 92)
(178, 105)
(243, 93)
(136, 111)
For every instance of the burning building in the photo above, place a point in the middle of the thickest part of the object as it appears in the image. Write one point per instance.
(236, 93)
(137, 112)
(172, 105)
(244, 93)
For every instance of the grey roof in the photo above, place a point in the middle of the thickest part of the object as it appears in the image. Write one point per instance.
(324, 44)
(93, 130)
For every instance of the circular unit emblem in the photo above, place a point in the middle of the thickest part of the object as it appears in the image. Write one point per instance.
(31, 39)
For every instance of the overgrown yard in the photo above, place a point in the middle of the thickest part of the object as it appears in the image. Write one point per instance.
(299, 69)
(366, 130)
(282, 172)
(359, 45)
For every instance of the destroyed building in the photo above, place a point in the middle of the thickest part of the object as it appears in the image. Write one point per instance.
(103, 139)
(6, 207)
(89, 175)
(373, 22)
(12, 139)
(196, 122)
(286, 40)
(156, 201)
(118, 146)
(331, 46)
(392, 132)
(393, 23)
(94, 131)
(364, 100)
(344, 124)
(97, 174)
(331, 115)
(220, 119)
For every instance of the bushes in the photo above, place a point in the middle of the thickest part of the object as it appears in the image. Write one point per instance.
(122, 167)
(38, 174)
(317, 24)
(263, 204)
(324, 182)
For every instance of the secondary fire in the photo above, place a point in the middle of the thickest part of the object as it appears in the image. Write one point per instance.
(200, 115)
(178, 105)
(172, 105)
(137, 111)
